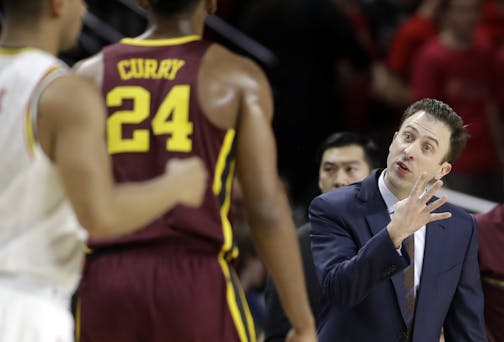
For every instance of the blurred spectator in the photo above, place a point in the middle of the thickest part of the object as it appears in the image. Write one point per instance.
(392, 80)
(491, 260)
(384, 16)
(457, 68)
(492, 22)
(356, 82)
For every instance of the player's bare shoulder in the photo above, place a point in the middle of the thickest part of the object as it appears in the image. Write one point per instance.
(226, 65)
(225, 81)
(91, 68)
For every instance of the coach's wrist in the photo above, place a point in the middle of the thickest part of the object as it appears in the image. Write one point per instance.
(397, 239)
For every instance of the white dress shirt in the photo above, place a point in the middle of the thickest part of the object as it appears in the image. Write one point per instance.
(391, 201)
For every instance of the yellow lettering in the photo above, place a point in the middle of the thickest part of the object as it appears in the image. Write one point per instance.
(124, 69)
(176, 65)
(150, 68)
(164, 68)
(140, 68)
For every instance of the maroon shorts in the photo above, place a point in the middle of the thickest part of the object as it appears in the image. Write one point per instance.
(160, 292)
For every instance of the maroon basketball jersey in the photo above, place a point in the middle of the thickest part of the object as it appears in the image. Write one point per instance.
(150, 88)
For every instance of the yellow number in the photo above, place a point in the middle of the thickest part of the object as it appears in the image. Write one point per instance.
(176, 104)
(139, 142)
(172, 118)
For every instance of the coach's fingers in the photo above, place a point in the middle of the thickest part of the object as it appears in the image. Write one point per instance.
(436, 204)
(440, 216)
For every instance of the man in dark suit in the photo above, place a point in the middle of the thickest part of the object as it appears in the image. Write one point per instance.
(343, 158)
(394, 262)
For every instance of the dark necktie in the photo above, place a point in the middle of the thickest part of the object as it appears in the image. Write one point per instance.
(409, 279)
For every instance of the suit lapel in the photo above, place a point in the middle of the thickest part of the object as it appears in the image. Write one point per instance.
(434, 236)
(398, 282)
(377, 219)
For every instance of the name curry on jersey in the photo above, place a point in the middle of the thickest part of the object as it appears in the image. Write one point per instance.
(149, 68)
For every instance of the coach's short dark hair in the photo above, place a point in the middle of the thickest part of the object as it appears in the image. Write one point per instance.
(342, 139)
(170, 7)
(444, 113)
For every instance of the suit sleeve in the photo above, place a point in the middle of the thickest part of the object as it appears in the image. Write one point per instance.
(465, 320)
(347, 270)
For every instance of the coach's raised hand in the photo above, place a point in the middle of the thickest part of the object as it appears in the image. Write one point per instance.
(415, 211)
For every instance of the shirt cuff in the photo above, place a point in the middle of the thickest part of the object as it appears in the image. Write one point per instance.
(398, 250)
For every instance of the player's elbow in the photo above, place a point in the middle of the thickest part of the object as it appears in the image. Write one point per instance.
(267, 216)
(98, 223)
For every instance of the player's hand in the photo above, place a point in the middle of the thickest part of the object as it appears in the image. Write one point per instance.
(413, 212)
(190, 177)
(307, 336)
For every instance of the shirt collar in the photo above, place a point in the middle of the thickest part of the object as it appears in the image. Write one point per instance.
(387, 195)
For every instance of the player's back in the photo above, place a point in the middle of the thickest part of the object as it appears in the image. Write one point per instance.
(41, 242)
(154, 114)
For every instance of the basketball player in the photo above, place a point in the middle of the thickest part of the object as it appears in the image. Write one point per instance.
(54, 162)
(171, 94)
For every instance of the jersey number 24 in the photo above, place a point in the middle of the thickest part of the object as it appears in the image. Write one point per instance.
(171, 118)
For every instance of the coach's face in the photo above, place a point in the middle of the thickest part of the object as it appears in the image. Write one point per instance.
(421, 145)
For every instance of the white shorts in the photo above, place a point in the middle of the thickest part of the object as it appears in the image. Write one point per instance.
(27, 318)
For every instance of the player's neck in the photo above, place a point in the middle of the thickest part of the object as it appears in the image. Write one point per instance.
(16, 37)
(160, 28)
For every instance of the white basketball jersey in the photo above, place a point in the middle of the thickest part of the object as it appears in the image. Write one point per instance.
(41, 242)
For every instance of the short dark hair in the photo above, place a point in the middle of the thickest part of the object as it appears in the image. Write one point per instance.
(342, 139)
(444, 113)
(22, 10)
(171, 7)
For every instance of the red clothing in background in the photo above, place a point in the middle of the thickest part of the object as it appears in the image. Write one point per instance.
(409, 38)
(463, 79)
(492, 23)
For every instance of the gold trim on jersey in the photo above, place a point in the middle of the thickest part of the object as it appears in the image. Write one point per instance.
(31, 110)
(240, 312)
(246, 311)
(78, 319)
(4, 50)
(222, 183)
(30, 137)
(160, 42)
(223, 180)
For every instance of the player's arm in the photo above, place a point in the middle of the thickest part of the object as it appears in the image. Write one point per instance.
(269, 214)
(71, 122)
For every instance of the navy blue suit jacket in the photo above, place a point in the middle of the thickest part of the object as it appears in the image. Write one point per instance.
(361, 272)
